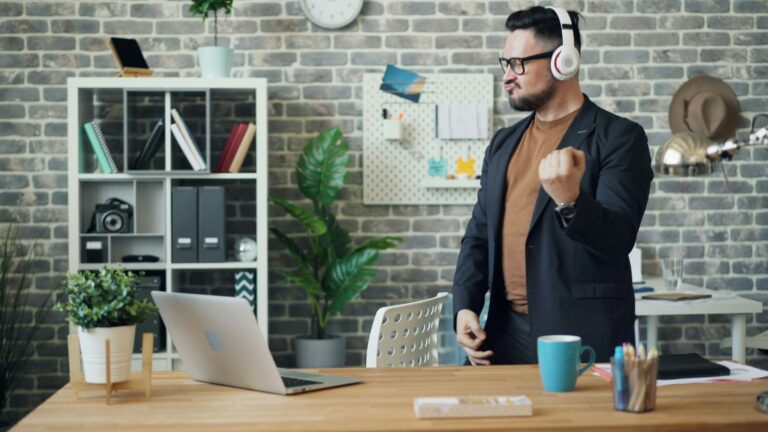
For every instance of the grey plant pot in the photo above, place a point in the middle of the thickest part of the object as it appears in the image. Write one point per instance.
(320, 353)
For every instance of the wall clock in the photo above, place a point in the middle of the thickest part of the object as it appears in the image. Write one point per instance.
(331, 14)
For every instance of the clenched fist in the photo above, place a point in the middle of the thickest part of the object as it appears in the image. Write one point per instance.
(560, 173)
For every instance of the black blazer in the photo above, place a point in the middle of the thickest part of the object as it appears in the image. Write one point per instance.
(578, 278)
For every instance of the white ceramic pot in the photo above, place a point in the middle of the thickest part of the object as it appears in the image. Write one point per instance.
(94, 353)
(215, 62)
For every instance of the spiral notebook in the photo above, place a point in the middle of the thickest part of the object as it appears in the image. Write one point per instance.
(100, 148)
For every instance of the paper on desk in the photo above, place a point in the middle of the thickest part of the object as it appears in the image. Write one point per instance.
(739, 372)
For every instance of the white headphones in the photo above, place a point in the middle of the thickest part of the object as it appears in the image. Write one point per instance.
(566, 59)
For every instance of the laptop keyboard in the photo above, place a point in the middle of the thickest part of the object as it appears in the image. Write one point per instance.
(297, 382)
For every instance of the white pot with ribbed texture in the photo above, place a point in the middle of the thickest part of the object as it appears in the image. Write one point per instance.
(94, 354)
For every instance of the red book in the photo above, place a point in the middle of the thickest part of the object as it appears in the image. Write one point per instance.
(235, 135)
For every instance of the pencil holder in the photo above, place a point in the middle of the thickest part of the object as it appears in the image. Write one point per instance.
(393, 129)
(634, 384)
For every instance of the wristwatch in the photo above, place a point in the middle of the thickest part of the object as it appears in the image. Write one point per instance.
(566, 211)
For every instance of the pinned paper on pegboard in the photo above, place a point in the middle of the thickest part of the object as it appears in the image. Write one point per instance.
(402, 83)
(405, 160)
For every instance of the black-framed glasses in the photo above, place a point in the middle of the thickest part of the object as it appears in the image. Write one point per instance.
(518, 63)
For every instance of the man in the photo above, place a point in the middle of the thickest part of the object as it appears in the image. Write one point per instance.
(562, 196)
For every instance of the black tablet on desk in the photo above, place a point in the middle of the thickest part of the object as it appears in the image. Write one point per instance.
(675, 366)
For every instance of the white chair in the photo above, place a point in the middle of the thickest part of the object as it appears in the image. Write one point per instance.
(405, 335)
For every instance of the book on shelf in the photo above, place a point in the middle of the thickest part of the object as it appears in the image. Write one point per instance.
(99, 145)
(235, 136)
(187, 134)
(186, 148)
(151, 146)
(242, 149)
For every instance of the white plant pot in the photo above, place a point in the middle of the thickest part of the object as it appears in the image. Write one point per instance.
(215, 62)
(94, 353)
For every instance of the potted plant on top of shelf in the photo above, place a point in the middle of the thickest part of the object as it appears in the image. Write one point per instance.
(103, 305)
(215, 61)
(331, 270)
(16, 330)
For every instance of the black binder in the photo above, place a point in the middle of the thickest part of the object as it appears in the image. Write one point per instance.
(184, 224)
(151, 146)
(674, 366)
(211, 214)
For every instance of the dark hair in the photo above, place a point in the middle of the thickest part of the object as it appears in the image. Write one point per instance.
(544, 23)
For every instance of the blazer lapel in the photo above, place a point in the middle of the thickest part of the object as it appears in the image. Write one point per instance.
(498, 183)
(577, 132)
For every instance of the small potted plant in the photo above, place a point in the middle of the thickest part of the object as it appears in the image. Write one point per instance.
(331, 270)
(103, 305)
(215, 61)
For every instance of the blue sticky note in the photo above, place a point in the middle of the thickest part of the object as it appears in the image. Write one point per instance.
(437, 167)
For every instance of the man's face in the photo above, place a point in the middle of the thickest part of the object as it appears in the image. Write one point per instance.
(532, 89)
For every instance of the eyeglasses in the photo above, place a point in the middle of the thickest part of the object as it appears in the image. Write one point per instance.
(518, 63)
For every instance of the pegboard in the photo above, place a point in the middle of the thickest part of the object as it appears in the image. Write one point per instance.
(395, 171)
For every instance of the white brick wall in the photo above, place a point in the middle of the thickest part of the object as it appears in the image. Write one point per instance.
(636, 54)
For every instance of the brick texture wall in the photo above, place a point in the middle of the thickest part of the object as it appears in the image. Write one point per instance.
(635, 55)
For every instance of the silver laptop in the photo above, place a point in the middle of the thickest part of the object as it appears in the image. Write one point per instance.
(219, 342)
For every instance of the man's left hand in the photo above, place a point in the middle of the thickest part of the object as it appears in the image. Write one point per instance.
(560, 173)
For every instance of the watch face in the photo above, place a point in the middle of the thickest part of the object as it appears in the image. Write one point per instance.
(331, 14)
(567, 211)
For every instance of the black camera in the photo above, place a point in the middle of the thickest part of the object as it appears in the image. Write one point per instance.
(114, 216)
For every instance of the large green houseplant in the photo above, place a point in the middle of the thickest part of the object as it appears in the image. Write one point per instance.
(16, 331)
(103, 305)
(215, 61)
(330, 269)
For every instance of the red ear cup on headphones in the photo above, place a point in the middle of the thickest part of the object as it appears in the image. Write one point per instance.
(565, 63)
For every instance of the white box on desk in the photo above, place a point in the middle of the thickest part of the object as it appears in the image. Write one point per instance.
(472, 406)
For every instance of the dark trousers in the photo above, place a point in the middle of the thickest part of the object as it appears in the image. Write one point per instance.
(510, 339)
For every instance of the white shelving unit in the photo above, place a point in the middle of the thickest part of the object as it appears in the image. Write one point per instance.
(127, 109)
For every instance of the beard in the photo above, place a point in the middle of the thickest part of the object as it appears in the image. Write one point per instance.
(534, 101)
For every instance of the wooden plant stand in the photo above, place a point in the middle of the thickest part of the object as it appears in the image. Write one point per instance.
(142, 381)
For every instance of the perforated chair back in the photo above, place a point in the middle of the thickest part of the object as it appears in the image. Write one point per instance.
(405, 335)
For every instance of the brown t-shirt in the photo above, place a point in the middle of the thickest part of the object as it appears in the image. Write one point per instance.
(539, 140)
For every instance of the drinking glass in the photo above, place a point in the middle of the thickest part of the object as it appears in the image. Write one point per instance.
(672, 272)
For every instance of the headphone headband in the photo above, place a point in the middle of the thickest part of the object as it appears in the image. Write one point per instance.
(566, 27)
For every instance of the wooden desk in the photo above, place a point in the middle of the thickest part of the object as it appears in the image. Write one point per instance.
(385, 403)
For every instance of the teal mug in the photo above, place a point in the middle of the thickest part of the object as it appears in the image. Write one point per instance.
(559, 358)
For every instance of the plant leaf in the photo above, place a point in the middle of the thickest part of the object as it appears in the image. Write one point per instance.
(289, 244)
(349, 276)
(337, 238)
(322, 169)
(380, 243)
(310, 221)
(304, 279)
(203, 7)
(106, 298)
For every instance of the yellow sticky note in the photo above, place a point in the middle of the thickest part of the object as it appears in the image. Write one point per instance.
(465, 167)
